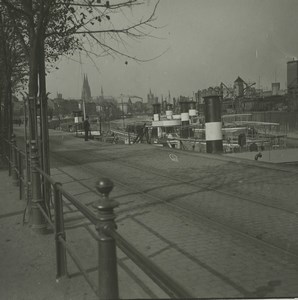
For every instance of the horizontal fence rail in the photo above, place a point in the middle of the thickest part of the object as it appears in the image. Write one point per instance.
(16, 159)
(166, 283)
(60, 237)
(103, 220)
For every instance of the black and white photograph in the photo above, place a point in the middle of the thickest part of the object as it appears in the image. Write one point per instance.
(148, 149)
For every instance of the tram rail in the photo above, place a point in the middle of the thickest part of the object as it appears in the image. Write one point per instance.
(159, 200)
(135, 212)
(204, 186)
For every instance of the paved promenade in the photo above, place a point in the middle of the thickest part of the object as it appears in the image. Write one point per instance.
(210, 260)
(27, 264)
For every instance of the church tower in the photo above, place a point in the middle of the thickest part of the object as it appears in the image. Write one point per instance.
(101, 92)
(169, 98)
(150, 98)
(86, 92)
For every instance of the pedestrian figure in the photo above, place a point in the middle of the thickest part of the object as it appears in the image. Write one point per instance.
(86, 128)
(259, 155)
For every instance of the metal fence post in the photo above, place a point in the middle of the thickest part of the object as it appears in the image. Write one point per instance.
(37, 220)
(28, 188)
(107, 258)
(3, 145)
(21, 176)
(8, 155)
(13, 157)
(59, 233)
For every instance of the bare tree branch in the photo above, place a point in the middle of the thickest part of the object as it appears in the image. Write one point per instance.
(109, 6)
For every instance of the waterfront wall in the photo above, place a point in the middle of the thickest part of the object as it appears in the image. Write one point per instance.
(288, 120)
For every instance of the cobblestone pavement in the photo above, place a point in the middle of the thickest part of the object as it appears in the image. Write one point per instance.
(222, 228)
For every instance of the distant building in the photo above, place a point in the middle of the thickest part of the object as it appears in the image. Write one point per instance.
(239, 87)
(268, 103)
(184, 99)
(103, 99)
(275, 88)
(266, 94)
(86, 91)
(292, 77)
(169, 98)
(61, 107)
(123, 107)
(208, 92)
(151, 99)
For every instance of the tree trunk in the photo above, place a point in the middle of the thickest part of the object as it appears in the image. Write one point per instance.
(44, 132)
(6, 85)
(33, 86)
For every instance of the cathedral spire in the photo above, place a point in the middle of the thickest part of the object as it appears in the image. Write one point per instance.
(86, 92)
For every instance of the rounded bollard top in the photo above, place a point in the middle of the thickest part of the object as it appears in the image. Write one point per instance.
(104, 186)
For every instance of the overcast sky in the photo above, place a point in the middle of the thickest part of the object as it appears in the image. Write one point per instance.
(207, 42)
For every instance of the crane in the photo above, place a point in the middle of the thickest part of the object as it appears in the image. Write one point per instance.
(236, 98)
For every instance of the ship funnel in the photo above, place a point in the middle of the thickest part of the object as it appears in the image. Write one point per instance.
(213, 125)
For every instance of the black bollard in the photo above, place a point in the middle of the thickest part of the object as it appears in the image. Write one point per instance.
(107, 257)
(61, 262)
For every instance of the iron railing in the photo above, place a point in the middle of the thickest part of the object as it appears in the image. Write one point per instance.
(103, 219)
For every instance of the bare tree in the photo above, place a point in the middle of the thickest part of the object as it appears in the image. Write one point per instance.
(12, 72)
(106, 29)
(47, 29)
